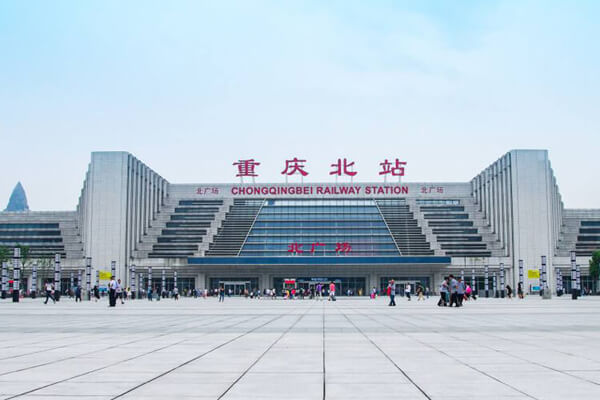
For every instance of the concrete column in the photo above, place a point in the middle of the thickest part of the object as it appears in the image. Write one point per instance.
(264, 281)
(486, 282)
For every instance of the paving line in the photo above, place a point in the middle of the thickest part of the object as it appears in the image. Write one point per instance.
(386, 355)
(87, 353)
(122, 361)
(449, 355)
(195, 358)
(518, 357)
(63, 346)
(264, 353)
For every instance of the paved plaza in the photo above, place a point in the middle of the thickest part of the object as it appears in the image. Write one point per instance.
(277, 349)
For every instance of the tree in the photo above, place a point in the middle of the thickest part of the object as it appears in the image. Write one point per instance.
(25, 253)
(4, 254)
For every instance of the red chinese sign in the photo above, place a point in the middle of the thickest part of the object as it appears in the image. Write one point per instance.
(294, 166)
(342, 168)
(396, 169)
(296, 248)
(246, 167)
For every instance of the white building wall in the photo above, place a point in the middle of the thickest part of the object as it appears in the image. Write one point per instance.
(519, 196)
(115, 208)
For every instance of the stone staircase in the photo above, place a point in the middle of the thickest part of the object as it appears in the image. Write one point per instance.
(456, 229)
(184, 228)
(405, 230)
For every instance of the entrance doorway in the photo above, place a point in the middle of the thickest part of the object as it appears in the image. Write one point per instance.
(344, 286)
(402, 281)
(235, 288)
(401, 287)
(310, 286)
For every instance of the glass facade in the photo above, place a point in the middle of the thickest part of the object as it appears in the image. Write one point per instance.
(345, 286)
(402, 281)
(318, 228)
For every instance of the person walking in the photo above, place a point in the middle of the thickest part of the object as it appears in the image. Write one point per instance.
(175, 293)
(420, 293)
(49, 292)
(509, 291)
(332, 291)
(443, 292)
(453, 291)
(392, 293)
(221, 294)
(407, 290)
(520, 290)
(468, 292)
(119, 292)
(96, 293)
(460, 292)
(77, 293)
(112, 292)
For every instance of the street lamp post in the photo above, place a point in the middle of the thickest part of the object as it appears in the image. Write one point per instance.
(57, 277)
(573, 276)
(132, 284)
(521, 277)
(88, 277)
(4, 279)
(502, 286)
(34, 280)
(16, 274)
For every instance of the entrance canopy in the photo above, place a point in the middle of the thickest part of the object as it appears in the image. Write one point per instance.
(317, 260)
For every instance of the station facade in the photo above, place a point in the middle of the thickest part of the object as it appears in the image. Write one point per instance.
(359, 235)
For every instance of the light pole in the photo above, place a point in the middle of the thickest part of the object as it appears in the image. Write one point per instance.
(502, 286)
(57, 276)
(34, 280)
(4, 279)
(573, 276)
(16, 274)
(88, 277)
(521, 277)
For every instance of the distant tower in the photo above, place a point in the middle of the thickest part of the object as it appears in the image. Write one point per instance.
(18, 199)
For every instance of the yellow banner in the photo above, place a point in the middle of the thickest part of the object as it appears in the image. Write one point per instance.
(104, 275)
(533, 274)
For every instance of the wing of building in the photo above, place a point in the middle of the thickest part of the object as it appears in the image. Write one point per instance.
(359, 235)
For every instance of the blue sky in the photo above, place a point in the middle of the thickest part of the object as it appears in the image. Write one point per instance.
(190, 87)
